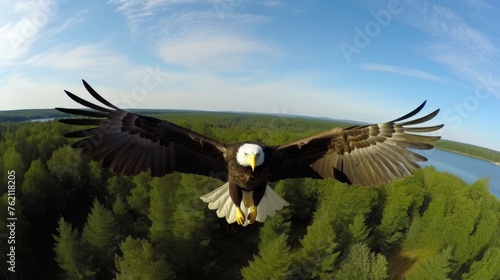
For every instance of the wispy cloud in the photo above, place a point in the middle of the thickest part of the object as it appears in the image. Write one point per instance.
(479, 4)
(22, 24)
(201, 40)
(219, 53)
(80, 58)
(67, 24)
(410, 72)
(468, 52)
(445, 24)
(17, 30)
(274, 3)
(137, 11)
(216, 35)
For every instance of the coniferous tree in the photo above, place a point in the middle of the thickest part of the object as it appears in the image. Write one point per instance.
(101, 234)
(139, 260)
(273, 262)
(343, 202)
(70, 254)
(40, 193)
(426, 231)
(488, 267)
(460, 223)
(302, 194)
(454, 219)
(190, 222)
(12, 160)
(64, 165)
(396, 213)
(379, 267)
(319, 248)
(275, 226)
(70, 170)
(98, 177)
(360, 263)
(486, 225)
(119, 207)
(273, 237)
(191, 228)
(139, 195)
(118, 186)
(162, 205)
(436, 267)
(124, 219)
(359, 230)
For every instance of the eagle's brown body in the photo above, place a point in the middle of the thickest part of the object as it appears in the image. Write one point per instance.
(243, 179)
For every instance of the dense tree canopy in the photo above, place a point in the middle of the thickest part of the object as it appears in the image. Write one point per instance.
(70, 253)
(78, 221)
(139, 260)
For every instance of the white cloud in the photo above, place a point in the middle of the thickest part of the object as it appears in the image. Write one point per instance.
(219, 52)
(479, 4)
(467, 51)
(21, 25)
(137, 11)
(214, 35)
(201, 40)
(67, 23)
(274, 3)
(415, 73)
(92, 57)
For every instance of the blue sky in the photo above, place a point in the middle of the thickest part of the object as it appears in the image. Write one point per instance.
(370, 61)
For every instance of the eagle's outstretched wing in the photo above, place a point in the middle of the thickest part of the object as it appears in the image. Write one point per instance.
(365, 155)
(129, 143)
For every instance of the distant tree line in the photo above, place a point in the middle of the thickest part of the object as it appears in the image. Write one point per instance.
(76, 220)
(29, 114)
(469, 150)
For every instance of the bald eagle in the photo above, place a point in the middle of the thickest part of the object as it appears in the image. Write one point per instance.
(365, 155)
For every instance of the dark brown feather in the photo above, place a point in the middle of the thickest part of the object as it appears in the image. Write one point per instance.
(366, 155)
(130, 143)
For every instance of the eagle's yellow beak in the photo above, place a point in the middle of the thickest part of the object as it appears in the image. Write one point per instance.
(251, 161)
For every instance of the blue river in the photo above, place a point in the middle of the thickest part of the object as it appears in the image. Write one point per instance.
(468, 168)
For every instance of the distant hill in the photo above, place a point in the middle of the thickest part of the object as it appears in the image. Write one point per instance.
(35, 114)
(447, 145)
(469, 150)
(29, 114)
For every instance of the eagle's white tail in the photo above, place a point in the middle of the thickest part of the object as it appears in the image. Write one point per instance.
(220, 200)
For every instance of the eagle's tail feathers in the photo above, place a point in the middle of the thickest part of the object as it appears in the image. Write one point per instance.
(217, 198)
(220, 200)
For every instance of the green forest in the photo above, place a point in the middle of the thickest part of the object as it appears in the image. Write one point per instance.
(470, 150)
(76, 220)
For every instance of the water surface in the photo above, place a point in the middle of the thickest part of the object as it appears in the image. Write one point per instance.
(468, 168)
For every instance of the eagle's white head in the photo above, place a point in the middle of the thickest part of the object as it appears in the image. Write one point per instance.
(250, 155)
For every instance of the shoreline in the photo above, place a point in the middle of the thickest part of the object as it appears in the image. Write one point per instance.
(497, 163)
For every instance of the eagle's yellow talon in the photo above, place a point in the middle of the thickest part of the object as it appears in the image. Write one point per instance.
(253, 214)
(240, 217)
